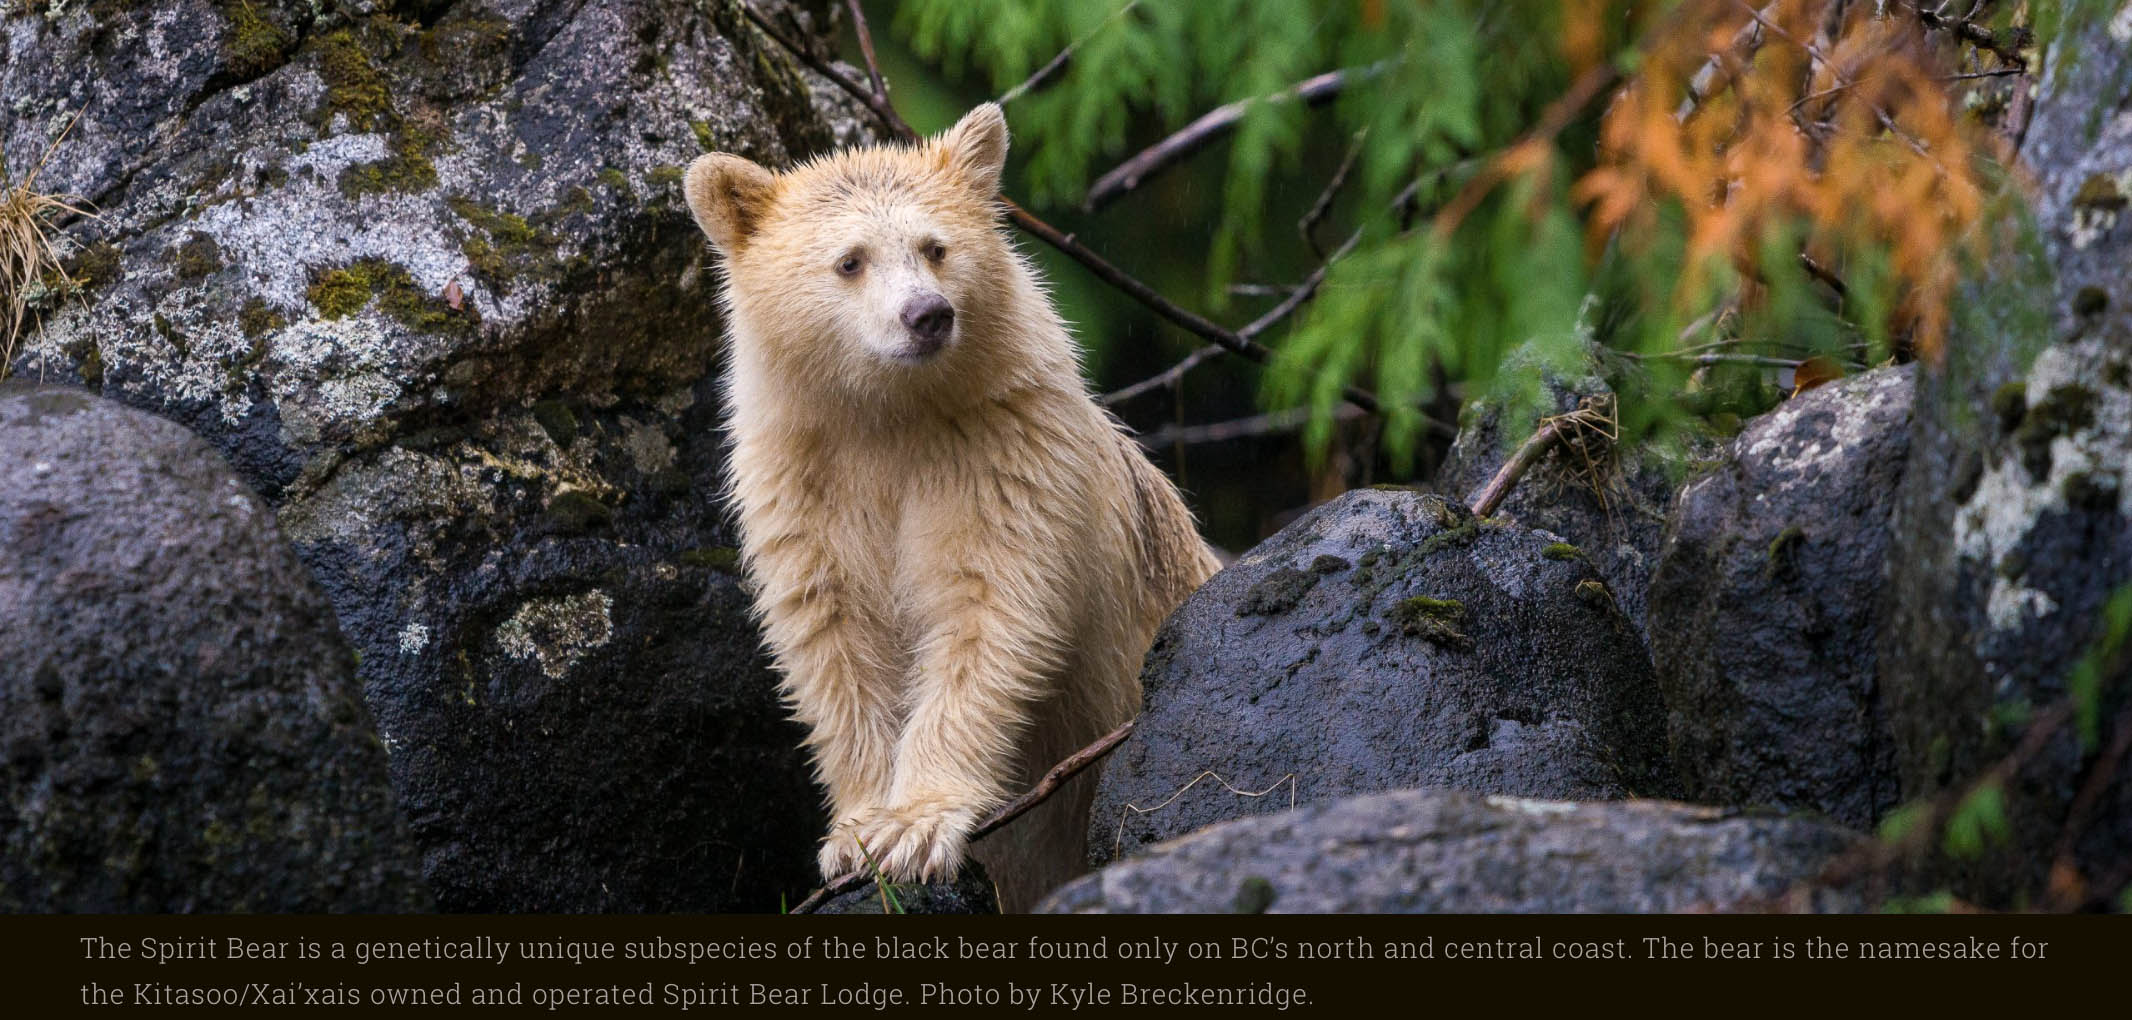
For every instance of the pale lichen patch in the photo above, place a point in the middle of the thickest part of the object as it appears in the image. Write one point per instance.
(558, 632)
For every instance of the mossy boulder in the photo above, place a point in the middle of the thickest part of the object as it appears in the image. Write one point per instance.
(1387, 639)
(375, 254)
(2014, 522)
(181, 728)
(1766, 606)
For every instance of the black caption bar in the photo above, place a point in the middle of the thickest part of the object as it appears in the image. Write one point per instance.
(695, 965)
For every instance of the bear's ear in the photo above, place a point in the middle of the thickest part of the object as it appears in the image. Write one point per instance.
(729, 195)
(976, 147)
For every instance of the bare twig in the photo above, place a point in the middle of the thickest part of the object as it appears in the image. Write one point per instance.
(1594, 417)
(1191, 322)
(1164, 379)
(1975, 35)
(878, 105)
(1210, 125)
(1272, 423)
(866, 47)
(1703, 83)
(1046, 74)
(1072, 765)
(1296, 297)
(1308, 225)
(1708, 359)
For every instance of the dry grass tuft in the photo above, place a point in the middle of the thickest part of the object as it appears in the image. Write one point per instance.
(30, 270)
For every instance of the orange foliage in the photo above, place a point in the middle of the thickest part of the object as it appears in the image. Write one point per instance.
(1801, 115)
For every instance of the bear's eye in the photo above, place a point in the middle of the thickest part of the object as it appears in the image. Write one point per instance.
(935, 251)
(849, 265)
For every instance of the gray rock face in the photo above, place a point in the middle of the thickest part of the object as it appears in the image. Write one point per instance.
(1766, 606)
(1611, 505)
(423, 274)
(1384, 640)
(2014, 523)
(1443, 851)
(180, 725)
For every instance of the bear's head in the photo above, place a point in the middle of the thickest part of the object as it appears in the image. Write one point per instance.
(878, 260)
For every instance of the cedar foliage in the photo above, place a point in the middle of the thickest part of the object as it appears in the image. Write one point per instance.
(1796, 178)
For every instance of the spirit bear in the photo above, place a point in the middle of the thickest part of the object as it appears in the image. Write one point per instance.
(960, 560)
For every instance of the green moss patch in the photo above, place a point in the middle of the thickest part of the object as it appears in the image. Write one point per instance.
(573, 512)
(256, 45)
(2010, 403)
(557, 420)
(198, 257)
(257, 319)
(353, 86)
(1432, 619)
(508, 247)
(339, 293)
(408, 168)
(2066, 408)
(1561, 551)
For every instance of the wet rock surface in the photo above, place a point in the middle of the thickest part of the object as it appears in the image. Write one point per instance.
(1385, 640)
(1766, 606)
(423, 275)
(1444, 851)
(181, 728)
(970, 893)
(2014, 522)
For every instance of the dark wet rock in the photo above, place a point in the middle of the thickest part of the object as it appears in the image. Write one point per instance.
(1444, 851)
(970, 893)
(180, 724)
(1385, 640)
(1608, 504)
(1766, 606)
(423, 275)
(2014, 522)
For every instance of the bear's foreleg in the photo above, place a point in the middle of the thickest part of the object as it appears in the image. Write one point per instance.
(840, 679)
(991, 647)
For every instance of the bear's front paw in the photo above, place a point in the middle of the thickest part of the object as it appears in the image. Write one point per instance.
(840, 854)
(918, 841)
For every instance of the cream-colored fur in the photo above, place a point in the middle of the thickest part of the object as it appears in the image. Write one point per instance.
(960, 559)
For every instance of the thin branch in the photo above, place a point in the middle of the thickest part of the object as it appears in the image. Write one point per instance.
(1272, 423)
(1506, 477)
(1072, 765)
(1210, 125)
(1164, 379)
(1705, 360)
(1975, 35)
(866, 46)
(1046, 74)
(1595, 417)
(879, 106)
(1308, 225)
(1702, 85)
(1192, 322)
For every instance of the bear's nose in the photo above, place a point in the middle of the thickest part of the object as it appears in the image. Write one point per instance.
(929, 318)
